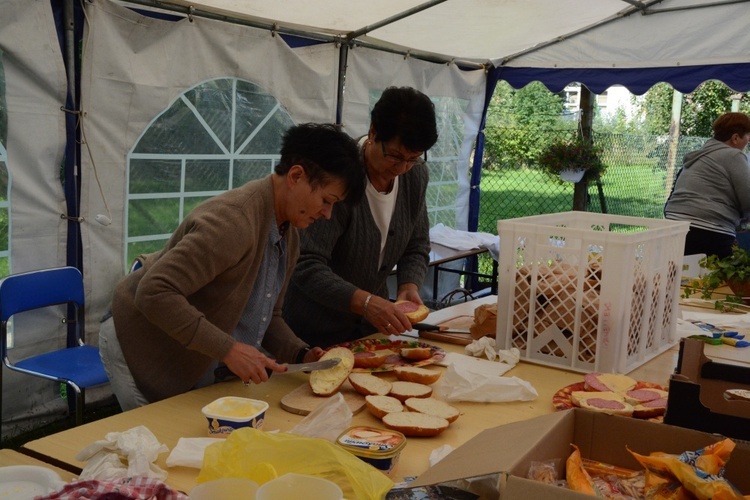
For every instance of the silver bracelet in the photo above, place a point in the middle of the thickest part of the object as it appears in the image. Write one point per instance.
(364, 308)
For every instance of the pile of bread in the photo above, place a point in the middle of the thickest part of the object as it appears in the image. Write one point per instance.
(404, 405)
(618, 395)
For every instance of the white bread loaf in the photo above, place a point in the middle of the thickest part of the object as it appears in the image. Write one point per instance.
(416, 353)
(415, 424)
(405, 390)
(367, 384)
(381, 406)
(417, 374)
(608, 382)
(327, 382)
(432, 406)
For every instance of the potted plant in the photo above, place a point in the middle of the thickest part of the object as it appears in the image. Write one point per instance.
(732, 271)
(571, 160)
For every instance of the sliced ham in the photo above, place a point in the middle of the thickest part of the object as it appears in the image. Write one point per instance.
(600, 382)
(640, 396)
(650, 409)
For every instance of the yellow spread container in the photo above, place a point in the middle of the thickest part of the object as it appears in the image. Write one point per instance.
(378, 447)
(229, 413)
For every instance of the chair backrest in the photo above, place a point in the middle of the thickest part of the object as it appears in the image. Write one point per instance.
(36, 289)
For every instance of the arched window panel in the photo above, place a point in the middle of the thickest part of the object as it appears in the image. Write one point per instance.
(216, 136)
(4, 180)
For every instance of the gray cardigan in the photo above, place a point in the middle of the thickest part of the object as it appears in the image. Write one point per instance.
(177, 313)
(712, 190)
(340, 255)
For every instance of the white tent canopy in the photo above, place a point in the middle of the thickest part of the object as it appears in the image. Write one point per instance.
(139, 73)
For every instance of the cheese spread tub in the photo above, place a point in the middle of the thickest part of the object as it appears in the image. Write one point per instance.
(229, 413)
(378, 447)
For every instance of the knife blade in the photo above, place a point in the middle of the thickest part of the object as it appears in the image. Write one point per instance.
(223, 373)
(315, 365)
(427, 327)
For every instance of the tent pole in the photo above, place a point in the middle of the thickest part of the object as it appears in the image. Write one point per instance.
(343, 56)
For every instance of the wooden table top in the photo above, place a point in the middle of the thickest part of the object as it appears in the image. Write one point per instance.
(181, 416)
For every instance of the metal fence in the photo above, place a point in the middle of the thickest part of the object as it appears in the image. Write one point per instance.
(635, 183)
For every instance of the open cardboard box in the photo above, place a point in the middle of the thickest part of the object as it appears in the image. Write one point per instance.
(696, 394)
(508, 450)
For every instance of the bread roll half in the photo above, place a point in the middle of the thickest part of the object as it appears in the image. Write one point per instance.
(415, 424)
(432, 406)
(327, 382)
(367, 384)
(417, 374)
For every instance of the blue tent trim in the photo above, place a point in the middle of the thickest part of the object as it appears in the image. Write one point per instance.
(637, 80)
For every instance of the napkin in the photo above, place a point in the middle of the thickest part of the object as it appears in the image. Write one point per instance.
(189, 452)
(123, 454)
(479, 380)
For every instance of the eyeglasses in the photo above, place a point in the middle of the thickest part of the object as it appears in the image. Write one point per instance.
(409, 162)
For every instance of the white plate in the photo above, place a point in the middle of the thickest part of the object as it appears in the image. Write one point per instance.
(23, 482)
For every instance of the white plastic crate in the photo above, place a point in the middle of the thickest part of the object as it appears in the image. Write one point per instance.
(587, 291)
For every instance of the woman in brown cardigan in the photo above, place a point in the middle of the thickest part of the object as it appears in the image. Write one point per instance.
(212, 297)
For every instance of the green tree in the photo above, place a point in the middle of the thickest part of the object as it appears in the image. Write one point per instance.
(519, 122)
(699, 108)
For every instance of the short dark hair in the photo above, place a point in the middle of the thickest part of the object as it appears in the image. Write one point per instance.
(405, 113)
(325, 153)
(729, 124)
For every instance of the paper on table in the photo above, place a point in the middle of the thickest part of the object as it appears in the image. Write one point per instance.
(465, 240)
(718, 319)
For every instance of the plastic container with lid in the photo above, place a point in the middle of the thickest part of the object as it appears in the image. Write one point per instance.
(378, 447)
(229, 413)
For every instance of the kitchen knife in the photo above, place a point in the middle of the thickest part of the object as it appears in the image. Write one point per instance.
(224, 373)
(427, 327)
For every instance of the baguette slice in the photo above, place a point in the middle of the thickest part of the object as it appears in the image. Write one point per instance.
(416, 353)
(405, 390)
(417, 374)
(367, 384)
(327, 382)
(415, 424)
(381, 406)
(415, 312)
(614, 382)
(432, 406)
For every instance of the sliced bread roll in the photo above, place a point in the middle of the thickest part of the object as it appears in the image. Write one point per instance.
(614, 382)
(327, 382)
(416, 353)
(417, 374)
(367, 384)
(650, 409)
(415, 424)
(578, 397)
(432, 406)
(415, 312)
(405, 390)
(371, 359)
(381, 406)
(640, 396)
(604, 405)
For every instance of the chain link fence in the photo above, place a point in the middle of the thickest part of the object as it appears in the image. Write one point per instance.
(636, 183)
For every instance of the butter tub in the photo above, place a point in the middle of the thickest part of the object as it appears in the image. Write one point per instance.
(380, 448)
(229, 413)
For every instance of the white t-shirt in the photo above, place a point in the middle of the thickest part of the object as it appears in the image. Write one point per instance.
(381, 206)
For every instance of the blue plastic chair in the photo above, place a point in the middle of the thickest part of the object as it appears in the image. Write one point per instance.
(78, 365)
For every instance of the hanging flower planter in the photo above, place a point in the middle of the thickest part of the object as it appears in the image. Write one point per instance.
(572, 175)
(571, 160)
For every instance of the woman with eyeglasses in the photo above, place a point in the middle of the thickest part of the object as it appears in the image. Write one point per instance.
(338, 291)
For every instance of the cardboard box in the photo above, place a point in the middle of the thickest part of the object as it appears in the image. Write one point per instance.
(696, 394)
(589, 292)
(508, 451)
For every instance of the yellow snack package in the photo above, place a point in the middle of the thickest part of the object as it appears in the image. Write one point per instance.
(261, 456)
(577, 477)
(670, 476)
